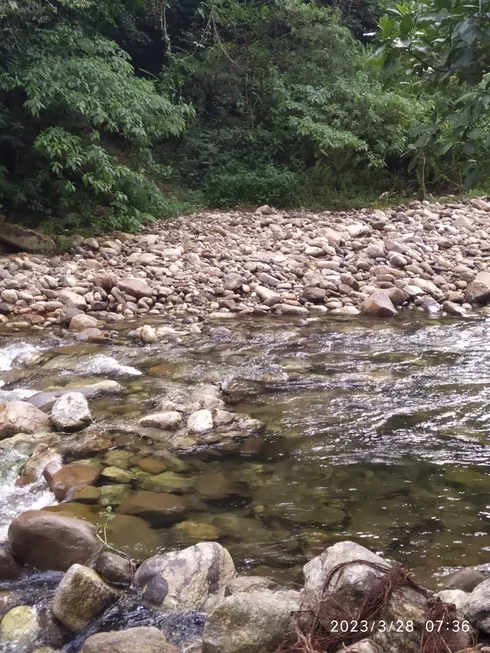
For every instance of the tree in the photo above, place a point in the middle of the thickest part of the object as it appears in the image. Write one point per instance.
(284, 94)
(76, 124)
(443, 46)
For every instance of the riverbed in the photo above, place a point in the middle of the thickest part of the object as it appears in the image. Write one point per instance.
(374, 431)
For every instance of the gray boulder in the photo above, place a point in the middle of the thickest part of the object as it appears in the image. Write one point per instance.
(135, 287)
(364, 646)
(379, 305)
(457, 598)
(132, 640)
(71, 412)
(25, 239)
(81, 596)
(350, 585)
(114, 568)
(167, 420)
(477, 607)
(250, 622)
(464, 579)
(358, 578)
(190, 579)
(478, 292)
(200, 422)
(21, 417)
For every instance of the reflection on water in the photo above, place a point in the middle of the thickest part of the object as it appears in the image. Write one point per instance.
(376, 432)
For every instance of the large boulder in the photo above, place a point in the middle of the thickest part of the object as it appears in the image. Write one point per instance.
(346, 574)
(21, 417)
(250, 622)
(135, 287)
(379, 305)
(24, 239)
(72, 300)
(190, 579)
(71, 412)
(465, 579)
(46, 540)
(478, 292)
(477, 606)
(69, 477)
(81, 596)
(357, 578)
(133, 640)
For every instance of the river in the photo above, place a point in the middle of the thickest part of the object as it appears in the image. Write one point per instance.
(376, 432)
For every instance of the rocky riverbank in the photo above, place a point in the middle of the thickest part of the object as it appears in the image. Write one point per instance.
(193, 600)
(429, 256)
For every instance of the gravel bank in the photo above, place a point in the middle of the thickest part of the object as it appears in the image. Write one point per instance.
(429, 256)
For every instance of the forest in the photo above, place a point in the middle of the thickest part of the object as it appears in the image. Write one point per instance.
(117, 112)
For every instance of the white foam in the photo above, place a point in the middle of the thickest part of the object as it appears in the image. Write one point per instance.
(102, 364)
(15, 500)
(15, 353)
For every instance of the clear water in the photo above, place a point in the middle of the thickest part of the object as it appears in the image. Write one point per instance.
(376, 432)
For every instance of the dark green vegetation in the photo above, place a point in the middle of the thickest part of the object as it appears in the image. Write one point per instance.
(116, 111)
(443, 47)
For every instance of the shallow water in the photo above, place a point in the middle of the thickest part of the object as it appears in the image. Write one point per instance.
(376, 432)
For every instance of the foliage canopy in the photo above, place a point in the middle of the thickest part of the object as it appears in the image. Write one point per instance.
(107, 107)
(443, 47)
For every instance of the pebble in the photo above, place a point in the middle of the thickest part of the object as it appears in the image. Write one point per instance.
(252, 262)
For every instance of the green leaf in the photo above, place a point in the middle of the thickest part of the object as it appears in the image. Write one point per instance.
(406, 24)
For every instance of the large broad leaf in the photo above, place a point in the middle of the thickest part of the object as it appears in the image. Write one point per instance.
(406, 24)
(472, 176)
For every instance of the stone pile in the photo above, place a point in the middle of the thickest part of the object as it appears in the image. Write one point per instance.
(233, 614)
(218, 265)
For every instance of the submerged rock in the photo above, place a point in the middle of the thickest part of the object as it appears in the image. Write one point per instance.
(9, 567)
(187, 579)
(45, 540)
(153, 506)
(81, 596)
(20, 625)
(69, 477)
(132, 640)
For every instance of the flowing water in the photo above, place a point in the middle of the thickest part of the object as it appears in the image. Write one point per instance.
(376, 432)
